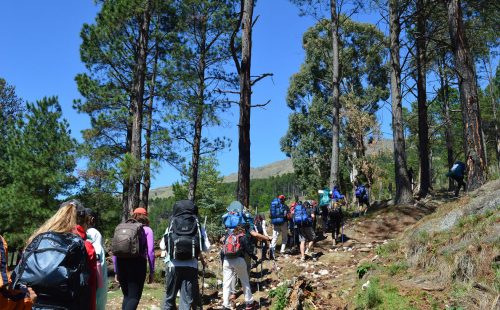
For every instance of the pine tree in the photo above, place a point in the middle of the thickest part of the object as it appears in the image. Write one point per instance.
(41, 158)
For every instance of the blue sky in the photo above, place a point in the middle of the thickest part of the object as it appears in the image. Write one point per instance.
(39, 55)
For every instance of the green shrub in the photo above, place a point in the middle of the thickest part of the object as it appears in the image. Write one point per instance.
(364, 268)
(280, 296)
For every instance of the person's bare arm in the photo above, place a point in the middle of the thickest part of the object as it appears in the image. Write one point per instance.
(259, 236)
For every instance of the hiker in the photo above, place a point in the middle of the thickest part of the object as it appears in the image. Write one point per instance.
(337, 196)
(336, 217)
(238, 215)
(261, 228)
(324, 202)
(279, 212)
(55, 255)
(293, 236)
(303, 218)
(362, 196)
(236, 246)
(456, 173)
(80, 230)
(316, 210)
(11, 299)
(184, 243)
(95, 237)
(410, 176)
(130, 258)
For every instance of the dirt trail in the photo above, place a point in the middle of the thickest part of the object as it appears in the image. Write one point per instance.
(331, 273)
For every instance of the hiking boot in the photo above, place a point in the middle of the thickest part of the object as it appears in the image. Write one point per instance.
(303, 258)
(271, 254)
(252, 306)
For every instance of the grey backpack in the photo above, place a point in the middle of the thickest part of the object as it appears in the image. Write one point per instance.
(128, 240)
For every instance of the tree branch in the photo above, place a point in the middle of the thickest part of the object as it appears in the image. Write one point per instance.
(260, 78)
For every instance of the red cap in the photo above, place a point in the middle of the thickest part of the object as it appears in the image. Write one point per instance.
(281, 197)
(141, 211)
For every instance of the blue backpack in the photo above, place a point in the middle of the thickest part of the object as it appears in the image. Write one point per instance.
(360, 192)
(277, 211)
(233, 219)
(458, 169)
(300, 215)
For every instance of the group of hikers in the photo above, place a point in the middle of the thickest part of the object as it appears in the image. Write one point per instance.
(63, 265)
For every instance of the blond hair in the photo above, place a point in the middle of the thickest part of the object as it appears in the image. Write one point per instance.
(64, 221)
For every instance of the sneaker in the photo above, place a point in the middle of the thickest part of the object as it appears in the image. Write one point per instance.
(307, 251)
(252, 306)
(303, 258)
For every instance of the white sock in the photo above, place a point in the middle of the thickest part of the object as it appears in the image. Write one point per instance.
(282, 248)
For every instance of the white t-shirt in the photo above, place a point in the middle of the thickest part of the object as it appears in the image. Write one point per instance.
(193, 263)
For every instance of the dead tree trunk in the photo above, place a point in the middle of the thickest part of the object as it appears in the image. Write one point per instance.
(243, 68)
(423, 125)
(464, 66)
(334, 166)
(137, 100)
(403, 185)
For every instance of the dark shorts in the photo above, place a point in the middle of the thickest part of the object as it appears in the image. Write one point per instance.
(306, 234)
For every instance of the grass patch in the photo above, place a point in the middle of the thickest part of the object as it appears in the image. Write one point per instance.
(279, 295)
(398, 267)
(378, 296)
(388, 249)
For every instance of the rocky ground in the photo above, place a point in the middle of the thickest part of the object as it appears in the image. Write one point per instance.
(330, 278)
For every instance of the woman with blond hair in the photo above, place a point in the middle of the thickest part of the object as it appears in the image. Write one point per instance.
(58, 264)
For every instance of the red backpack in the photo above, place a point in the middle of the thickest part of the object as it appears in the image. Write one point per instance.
(233, 246)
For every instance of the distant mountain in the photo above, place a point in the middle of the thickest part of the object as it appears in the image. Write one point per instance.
(275, 169)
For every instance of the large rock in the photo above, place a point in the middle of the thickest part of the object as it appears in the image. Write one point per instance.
(483, 200)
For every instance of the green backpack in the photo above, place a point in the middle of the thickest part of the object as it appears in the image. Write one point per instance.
(324, 200)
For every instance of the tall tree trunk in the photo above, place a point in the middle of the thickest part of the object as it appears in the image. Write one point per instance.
(403, 184)
(423, 125)
(137, 107)
(198, 122)
(125, 205)
(243, 191)
(146, 185)
(494, 108)
(334, 166)
(464, 65)
(447, 118)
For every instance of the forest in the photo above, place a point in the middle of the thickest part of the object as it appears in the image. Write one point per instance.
(158, 74)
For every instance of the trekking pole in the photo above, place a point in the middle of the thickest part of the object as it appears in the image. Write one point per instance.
(203, 283)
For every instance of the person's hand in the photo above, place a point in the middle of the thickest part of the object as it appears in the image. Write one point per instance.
(116, 278)
(269, 239)
(151, 278)
(32, 293)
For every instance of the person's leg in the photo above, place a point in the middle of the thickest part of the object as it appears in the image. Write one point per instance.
(190, 291)
(302, 241)
(263, 254)
(228, 277)
(172, 284)
(239, 266)
(136, 280)
(123, 270)
(284, 236)
(274, 241)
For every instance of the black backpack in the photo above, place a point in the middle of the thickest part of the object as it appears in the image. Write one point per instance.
(183, 237)
(55, 266)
